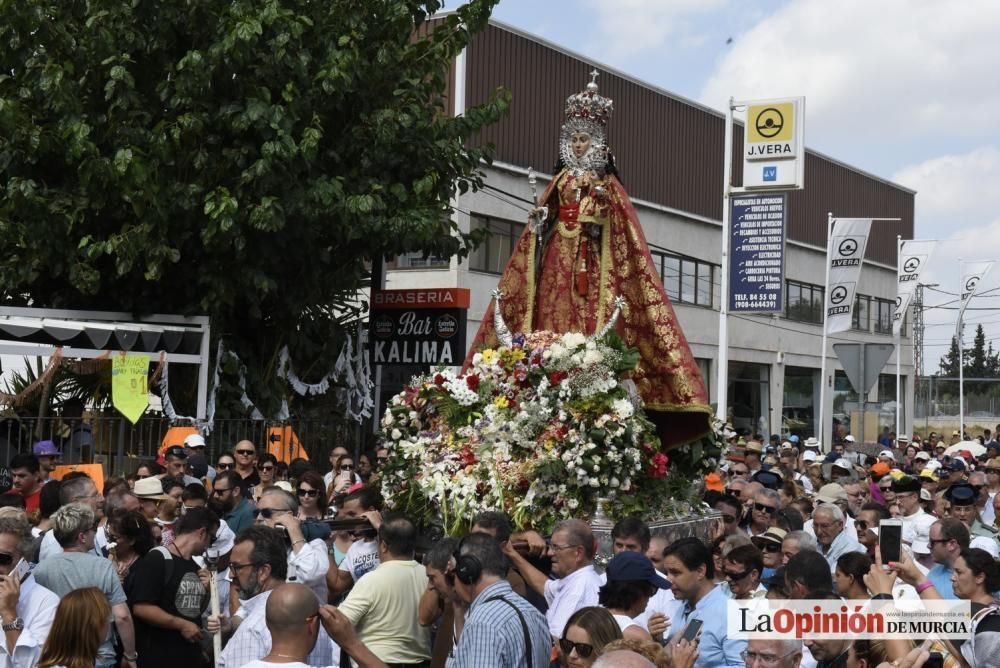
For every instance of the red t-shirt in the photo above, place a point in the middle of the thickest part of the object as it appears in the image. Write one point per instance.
(31, 500)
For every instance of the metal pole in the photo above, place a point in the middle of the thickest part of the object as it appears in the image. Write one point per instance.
(821, 427)
(959, 334)
(722, 358)
(899, 342)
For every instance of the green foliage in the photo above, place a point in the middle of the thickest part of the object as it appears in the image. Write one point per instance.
(243, 159)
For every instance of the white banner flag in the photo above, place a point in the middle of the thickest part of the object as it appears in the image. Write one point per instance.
(972, 275)
(845, 253)
(913, 256)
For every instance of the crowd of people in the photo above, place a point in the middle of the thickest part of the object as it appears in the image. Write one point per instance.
(130, 574)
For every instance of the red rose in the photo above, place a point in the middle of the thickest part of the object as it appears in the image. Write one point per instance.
(438, 379)
(473, 382)
(557, 377)
(658, 466)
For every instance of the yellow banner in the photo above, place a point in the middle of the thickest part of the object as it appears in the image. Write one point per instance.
(129, 385)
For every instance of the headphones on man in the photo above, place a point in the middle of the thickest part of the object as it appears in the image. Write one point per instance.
(468, 568)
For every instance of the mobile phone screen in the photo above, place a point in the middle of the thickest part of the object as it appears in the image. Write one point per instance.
(21, 571)
(692, 629)
(890, 537)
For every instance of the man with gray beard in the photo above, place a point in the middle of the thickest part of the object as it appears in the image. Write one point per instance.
(258, 565)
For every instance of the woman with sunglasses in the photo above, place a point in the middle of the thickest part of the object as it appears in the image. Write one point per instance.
(129, 538)
(267, 465)
(586, 633)
(311, 496)
(345, 475)
(225, 462)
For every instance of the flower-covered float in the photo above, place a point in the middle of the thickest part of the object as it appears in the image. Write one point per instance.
(544, 427)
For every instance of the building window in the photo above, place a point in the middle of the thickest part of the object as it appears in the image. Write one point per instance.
(492, 255)
(883, 316)
(862, 313)
(418, 260)
(686, 280)
(804, 302)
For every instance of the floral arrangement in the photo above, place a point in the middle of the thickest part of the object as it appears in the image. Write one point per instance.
(541, 429)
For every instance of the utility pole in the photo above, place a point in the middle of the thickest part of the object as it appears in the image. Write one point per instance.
(918, 328)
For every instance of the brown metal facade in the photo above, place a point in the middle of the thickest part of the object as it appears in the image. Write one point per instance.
(668, 150)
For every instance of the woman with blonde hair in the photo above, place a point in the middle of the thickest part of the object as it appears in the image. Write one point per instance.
(79, 628)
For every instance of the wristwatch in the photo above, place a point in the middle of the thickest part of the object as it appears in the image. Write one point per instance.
(17, 624)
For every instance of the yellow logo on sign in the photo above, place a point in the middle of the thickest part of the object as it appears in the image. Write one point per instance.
(770, 123)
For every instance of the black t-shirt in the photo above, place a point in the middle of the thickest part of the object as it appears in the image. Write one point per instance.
(176, 589)
(248, 483)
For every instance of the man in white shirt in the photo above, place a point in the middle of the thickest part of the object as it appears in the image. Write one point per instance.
(258, 565)
(26, 608)
(916, 522)
(308, 561)
(632, 535)
(362, 556)
(572, 553)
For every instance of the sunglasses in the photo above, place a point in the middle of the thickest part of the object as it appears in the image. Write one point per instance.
(861, 524)
(760, 507)
(245, 453)
(740, 471)
(728, 519)
(219, 491)
(309, 492)
(222, 467)
(347, 467)
(992, 471)
(583, 650)
(381, 460)
(141, 477)
(768, 546)
(267, 513)
(733, 492)
(737, 576)
(268, 467)
(6, 559)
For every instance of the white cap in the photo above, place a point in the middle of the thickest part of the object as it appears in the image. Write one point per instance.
(842, 463)
(194, 441)
(849, 438)
(809, 456)
(985, 543)
(887, 453)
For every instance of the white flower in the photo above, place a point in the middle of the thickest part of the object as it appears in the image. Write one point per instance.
(592, 357)
(594, 482)
(573, 339)
(396, 434)
(623, 408)
(573, 504)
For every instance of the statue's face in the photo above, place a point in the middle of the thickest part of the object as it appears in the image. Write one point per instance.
(580, 142)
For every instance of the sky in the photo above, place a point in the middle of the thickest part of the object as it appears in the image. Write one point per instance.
(906, 90)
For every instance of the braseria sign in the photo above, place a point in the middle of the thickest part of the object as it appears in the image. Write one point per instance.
(419, 326)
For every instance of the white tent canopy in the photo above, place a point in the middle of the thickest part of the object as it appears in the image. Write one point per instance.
(90, 334)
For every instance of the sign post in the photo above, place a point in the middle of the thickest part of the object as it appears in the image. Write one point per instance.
(773, 159)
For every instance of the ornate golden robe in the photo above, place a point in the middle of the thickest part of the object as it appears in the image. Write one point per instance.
(594, 250)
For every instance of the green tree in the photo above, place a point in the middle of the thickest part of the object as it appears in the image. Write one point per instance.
(246, 159)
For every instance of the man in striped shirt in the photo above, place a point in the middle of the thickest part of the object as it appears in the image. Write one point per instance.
(501, 629)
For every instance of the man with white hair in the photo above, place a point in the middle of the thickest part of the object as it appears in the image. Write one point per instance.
(833, 537)
(783, 653)
(795, 542)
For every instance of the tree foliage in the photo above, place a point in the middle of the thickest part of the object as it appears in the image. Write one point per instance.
(239, 158)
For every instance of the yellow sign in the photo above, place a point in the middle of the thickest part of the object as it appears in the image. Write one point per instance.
(770, 131)
(129, 385)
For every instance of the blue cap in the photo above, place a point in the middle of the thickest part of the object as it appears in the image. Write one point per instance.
(793, 438)
(957, 464)
(46, 449)
(632, 566)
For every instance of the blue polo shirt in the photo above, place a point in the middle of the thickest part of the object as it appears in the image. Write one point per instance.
(940, 575)
(715, 649)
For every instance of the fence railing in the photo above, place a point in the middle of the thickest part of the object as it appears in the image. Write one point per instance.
(122, 446)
